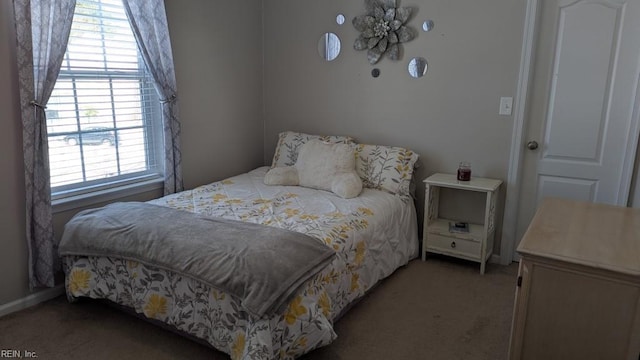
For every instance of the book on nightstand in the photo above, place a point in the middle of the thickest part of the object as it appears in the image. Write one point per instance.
(459, 227)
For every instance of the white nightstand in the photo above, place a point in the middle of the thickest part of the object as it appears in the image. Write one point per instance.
(477, 244)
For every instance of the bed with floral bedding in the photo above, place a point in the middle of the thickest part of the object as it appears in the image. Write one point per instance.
(372, 235)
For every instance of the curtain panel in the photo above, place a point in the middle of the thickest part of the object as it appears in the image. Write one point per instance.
(148, 20)
(42, 32)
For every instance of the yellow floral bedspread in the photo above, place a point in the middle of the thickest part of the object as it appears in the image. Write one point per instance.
(372, 235)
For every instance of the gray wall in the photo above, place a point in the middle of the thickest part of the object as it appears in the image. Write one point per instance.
(13, 248)
(447, 116)
(220, 89)
(217, 49)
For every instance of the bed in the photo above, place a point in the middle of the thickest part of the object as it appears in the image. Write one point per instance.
(372, 235)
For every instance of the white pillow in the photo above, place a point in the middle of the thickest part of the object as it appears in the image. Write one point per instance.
(347, 185)
(321, 166)
(286, 175)
(329, 167)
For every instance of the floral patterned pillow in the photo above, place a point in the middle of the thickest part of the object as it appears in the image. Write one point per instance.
(385, 168)
(289, 144)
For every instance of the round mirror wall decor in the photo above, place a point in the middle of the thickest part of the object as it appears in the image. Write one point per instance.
(340, 19)
(375, 72)
(428, 25)
(329, 46)
(418, 67)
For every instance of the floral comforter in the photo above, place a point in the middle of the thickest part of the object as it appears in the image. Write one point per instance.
(372, 235)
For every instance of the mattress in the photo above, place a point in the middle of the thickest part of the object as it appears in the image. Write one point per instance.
(372, 235)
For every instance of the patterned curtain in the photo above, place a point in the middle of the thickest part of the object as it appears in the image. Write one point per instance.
(42, 31)
(149, 23)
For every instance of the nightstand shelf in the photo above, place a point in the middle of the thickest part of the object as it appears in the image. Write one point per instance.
(441, 227)
(475, 245)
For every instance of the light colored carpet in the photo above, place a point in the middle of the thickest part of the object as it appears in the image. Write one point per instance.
(439, 309)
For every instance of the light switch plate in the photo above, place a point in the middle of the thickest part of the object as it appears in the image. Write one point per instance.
(505, 105)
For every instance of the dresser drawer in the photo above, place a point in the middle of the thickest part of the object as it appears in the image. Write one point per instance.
(454, 246)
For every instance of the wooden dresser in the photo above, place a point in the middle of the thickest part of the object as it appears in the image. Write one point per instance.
(578, 293)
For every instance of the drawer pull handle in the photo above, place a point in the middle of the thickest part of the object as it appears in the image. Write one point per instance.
(453, 244)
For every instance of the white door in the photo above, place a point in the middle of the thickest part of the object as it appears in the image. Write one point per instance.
(582, 109)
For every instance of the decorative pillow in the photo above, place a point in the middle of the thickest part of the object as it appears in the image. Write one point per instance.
(289, 143)
(286, 175)
(385, 168)
(329, 167)
(321, 166)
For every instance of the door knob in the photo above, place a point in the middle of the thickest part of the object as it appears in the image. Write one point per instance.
(532, 145)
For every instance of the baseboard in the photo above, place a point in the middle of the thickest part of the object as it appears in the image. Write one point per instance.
(31, 300)
(495, 259)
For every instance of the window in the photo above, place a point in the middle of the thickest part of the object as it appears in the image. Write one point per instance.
(103, 117)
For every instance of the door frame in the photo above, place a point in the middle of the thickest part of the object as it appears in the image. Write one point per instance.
(514, 180)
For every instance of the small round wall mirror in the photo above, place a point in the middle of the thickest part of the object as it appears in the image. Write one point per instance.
(329, 46)
(340, 19)
(428, 25)
(418, 67)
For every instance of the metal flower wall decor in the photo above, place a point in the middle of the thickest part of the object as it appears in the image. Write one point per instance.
(382, 29)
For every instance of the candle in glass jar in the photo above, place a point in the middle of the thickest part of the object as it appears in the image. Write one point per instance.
(464, 171)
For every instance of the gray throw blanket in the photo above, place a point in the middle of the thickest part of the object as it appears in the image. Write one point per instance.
(261, 266)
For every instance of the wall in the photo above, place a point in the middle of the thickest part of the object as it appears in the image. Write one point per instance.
(447, 116)
(217, 49)
(220, 92)
(13, 248)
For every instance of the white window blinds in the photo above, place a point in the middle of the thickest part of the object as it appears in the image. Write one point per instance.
(103, 118)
